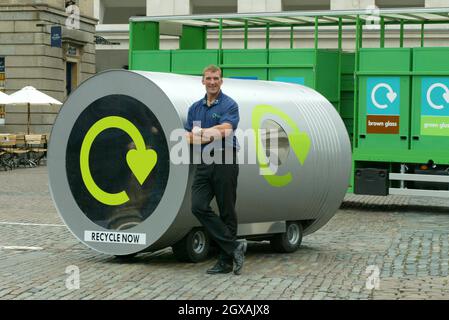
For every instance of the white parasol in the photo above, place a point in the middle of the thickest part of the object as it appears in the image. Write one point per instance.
(4, 98)
(30, 96)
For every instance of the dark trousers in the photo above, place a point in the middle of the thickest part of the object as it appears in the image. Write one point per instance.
(219, 180)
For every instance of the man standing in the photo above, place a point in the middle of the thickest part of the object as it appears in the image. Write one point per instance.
(211, 122)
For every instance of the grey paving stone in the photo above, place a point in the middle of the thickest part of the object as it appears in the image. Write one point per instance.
(406, 238)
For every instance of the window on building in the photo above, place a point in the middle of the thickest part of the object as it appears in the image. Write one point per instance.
(295, 5)
(212, 7)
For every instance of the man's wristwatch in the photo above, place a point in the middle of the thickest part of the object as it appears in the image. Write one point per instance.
(197, 131)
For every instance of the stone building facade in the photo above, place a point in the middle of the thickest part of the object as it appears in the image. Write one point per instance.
(44, 44)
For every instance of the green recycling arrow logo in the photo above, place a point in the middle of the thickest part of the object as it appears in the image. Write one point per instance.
(299, 142)
(141, 161)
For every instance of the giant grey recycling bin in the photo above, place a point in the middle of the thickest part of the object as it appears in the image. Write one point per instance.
(117, 188)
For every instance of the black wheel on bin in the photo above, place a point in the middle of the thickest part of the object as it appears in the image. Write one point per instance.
(290, 240)
(194, 247)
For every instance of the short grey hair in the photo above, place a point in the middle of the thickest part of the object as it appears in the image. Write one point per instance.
(213, 68)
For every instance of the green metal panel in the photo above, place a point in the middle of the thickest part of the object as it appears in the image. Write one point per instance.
(245, 57)
(347, 91)
(400, 156)
(349, 124)
(327, 74)
(389, 59)
(192, 38)
(347, 71)
(431, 59)
(318, 68)
(292, 63)
(245, 63)
(347, 110)
(430, 102)
(292, 57)
(142, 36)
(193, 61)
(151, 60)
(384, 100)
(347, 105)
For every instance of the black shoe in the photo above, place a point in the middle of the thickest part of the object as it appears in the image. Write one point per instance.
(220, 267)
(239, 257)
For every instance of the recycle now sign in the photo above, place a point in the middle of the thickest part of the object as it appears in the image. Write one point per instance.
(435, 106)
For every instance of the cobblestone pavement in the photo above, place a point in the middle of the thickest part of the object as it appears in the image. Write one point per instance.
(403, 240)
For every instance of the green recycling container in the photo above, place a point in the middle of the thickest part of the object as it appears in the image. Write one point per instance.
(430, 103)
(384, 100)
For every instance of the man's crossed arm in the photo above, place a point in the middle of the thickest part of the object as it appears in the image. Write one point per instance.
(206, 135)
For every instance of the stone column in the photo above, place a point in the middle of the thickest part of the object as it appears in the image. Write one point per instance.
(99, 10)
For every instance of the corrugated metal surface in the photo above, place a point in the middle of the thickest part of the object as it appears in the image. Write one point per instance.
(318, 167)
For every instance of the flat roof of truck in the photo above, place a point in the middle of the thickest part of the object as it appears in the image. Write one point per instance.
(308, 18)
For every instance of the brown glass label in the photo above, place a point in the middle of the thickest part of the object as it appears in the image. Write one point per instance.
(382, 124)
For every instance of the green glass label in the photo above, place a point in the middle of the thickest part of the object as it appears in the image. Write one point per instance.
(434, 126)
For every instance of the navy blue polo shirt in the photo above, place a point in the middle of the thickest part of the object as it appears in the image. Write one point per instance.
(223, 109)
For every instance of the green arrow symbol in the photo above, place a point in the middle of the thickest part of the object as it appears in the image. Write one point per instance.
(299, 142)
(140, 160)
